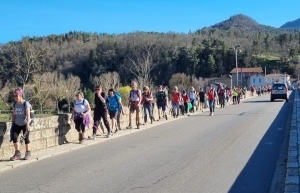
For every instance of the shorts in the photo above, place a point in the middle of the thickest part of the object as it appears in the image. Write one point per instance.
(113, 114)
(133, 108)
(201, 100)
(161, 105)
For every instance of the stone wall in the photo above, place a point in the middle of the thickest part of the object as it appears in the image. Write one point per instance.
(48, 132)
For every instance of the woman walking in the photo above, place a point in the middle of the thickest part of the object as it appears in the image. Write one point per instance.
(80, 113)
(211, 98)
(20, 122)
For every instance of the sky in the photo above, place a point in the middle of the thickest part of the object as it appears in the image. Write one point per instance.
(19, 18)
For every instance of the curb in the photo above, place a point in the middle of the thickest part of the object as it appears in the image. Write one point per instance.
(292, 166)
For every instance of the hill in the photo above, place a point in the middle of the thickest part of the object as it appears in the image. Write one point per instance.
(292, 24)
(246, 24)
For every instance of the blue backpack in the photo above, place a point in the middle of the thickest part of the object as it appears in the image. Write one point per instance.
(31, 110)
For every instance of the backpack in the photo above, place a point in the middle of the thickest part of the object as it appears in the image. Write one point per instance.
(31, 110)
(116, 95)
(161, 96)
(137, 92)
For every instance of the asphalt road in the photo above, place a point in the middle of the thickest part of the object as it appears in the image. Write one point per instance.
(235, 150)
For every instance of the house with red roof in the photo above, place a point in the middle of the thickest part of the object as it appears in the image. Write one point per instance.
(242, 76)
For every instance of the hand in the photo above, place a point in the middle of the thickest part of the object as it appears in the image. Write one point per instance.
(27, 128)
(122, 112)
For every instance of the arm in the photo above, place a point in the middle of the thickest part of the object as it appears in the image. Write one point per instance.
(28, 118)
(121, 105)
(73, 113)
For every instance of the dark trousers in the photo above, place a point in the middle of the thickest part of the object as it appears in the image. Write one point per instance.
(98, 114)
(16, 132)
(79, 126)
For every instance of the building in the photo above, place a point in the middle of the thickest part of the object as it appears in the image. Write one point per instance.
(256, 80)
(272, 78)
(244, 75)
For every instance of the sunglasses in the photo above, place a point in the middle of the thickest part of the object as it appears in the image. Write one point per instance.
(97, 89)
(15, 95)
(77, 95)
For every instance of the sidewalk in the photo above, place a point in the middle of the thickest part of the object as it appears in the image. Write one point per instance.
(292, 181)
(6, 165)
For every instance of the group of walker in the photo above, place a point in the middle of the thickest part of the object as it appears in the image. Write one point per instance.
(111, 105)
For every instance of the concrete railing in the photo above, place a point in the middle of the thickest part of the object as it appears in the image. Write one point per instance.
(292, 173)
(50, 131)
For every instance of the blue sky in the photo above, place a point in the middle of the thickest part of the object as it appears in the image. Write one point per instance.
(43, 17)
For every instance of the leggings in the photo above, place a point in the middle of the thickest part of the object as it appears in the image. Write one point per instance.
(234, 99)
(17, 130)
(186, 107)
(79, 126)
(98, 114)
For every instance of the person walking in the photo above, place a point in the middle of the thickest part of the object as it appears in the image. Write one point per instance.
(100, 111)
(20, 122)
(192, 96)
(115, 104)
(147, 100)
(161, 102)
(234, 95)
(186, 100)
(201, 99)
(80, 113)
(135, 99)
(175, 101)
(211, 98)
(221, 95)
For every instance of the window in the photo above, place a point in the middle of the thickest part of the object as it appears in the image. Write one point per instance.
(253, 80)
(259, 80)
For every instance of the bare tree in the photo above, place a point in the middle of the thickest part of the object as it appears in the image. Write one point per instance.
(72, 84)
(4, 93)
(142, 61)
(181, 80)
(108, 80)
(26, 60)
(41, 91)
(199, 82)
(58, 88)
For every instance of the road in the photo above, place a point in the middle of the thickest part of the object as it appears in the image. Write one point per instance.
(235, 150)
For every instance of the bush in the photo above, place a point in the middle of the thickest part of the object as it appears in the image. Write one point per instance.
(124, 92)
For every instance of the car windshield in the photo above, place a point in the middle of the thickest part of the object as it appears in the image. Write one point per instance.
(279, 87)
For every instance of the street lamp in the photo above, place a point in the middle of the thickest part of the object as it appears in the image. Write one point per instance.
(236, 65)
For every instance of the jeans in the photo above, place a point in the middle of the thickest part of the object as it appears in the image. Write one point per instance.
(211, 105)
(175, 108)
(148, 107)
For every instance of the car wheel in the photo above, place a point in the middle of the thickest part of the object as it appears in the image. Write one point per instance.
(272, 100)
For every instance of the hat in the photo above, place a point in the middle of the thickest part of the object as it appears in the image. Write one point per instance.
(18, 91)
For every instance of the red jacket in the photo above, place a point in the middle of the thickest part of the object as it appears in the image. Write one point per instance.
(185, 98)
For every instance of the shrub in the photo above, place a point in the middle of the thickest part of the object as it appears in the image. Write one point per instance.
(124, 92)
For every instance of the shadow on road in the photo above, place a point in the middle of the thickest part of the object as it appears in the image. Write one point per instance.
(260, 168)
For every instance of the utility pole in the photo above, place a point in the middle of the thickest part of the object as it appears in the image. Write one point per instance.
(236, 65)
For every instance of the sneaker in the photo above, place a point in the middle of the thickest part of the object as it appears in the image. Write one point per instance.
(92, 137)
(116, 130)
(129, 127)
(138, 126)
(166, 117)
(212, 114)
(16, 156)
(27, 155)
(109, 135)
(151, 121)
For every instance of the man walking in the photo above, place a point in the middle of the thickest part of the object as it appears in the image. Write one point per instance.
(100, 111)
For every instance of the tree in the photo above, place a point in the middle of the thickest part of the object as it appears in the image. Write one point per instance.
(58, 88)
(40, 92)
(72, 85)
(5, 91)
(108, 80)
(181, 80)
(25, 60)
(142, 60)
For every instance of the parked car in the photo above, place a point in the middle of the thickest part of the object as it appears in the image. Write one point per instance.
(279, 91)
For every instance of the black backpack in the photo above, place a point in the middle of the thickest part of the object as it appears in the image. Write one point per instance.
(161, 96)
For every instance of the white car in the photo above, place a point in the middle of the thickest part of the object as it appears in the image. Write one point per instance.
(279, 91)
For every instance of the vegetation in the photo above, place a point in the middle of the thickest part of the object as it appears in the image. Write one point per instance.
(52, 68)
